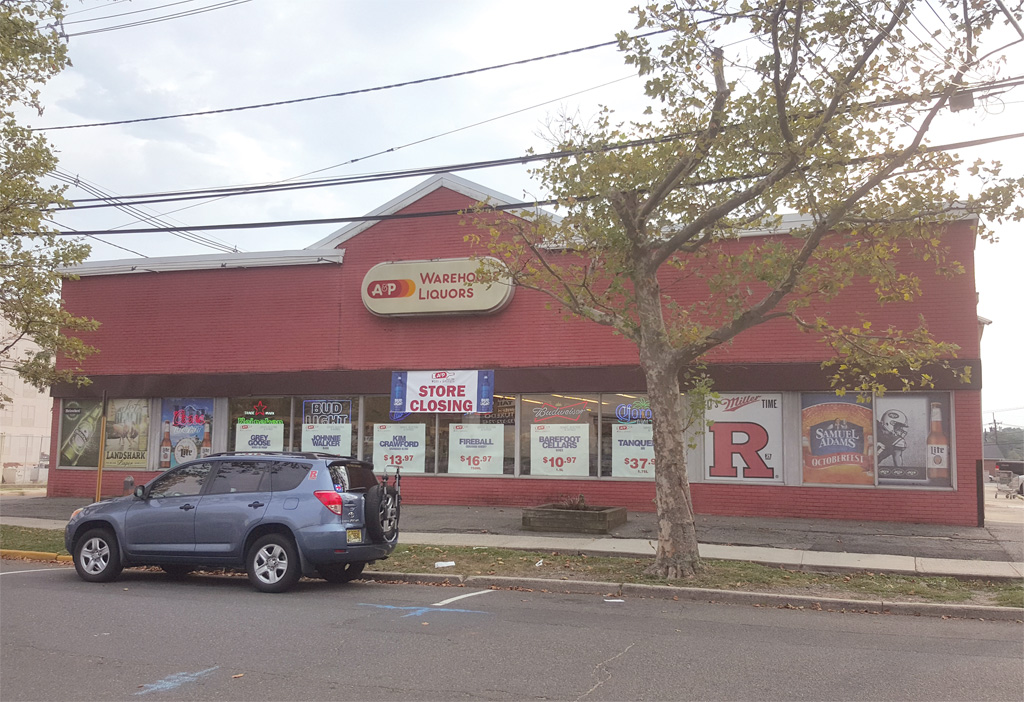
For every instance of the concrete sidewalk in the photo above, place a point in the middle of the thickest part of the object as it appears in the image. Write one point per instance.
(990, 552)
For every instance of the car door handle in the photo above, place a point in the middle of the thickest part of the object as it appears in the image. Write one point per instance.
(254, 505)
(187, 507)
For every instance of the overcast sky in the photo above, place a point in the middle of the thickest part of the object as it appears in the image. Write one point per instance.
(261, 51)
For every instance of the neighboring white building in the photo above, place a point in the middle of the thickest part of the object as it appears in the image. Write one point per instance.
(24, 425)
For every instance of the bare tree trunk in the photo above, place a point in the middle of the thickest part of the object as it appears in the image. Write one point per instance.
(677, 555)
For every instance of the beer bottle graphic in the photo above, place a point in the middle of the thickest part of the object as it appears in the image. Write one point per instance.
(937, 448)
(165, 447)
(206, 447)
(72, 450)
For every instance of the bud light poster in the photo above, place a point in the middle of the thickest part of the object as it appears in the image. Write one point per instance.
(184, 421)
(838, 440)
(400, 446)
(477, 449)
(450, 392)
(327, 426)
(127, 441)
(633, 450)
(560, 449)
(744, 439)
(267, 435)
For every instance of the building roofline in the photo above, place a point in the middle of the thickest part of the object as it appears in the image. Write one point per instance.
(164, 264)
(475, 191)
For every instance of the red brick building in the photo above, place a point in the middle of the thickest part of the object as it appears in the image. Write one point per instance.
(296, 350)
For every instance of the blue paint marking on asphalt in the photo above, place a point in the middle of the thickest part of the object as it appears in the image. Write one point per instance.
(420, 611)
(173, 681)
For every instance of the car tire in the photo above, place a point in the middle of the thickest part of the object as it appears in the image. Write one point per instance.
(177, 571)
(341, 572)
(273, 563)
(383, 508)
(97, 556)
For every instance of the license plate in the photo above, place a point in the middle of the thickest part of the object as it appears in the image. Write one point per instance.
(353, 535)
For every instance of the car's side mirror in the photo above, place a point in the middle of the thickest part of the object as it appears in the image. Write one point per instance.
(140, 492)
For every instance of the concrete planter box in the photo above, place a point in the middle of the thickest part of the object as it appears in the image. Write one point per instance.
(593, 520)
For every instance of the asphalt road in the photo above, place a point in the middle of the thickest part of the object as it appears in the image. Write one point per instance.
(147, 637)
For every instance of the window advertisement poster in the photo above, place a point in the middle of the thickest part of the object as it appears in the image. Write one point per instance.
(744, 439)
(838, 440)
(80, 433)
(560, 449)
(186, 423)
(633, 450)
(327, 426)
(127, 442)
(912, 439)
(400, 446)
(463, 391)
(476, 449)
(259, 435)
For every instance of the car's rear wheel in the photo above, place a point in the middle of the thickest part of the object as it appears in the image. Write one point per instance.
(97, 556)
(177, 571)
(273, 563)
(383, 510)
(341, 572)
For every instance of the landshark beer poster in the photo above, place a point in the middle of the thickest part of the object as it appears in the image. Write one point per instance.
(838, 440)
(127, 441)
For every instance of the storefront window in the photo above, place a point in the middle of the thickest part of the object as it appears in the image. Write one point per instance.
(559, 434)
(398, 440)
(479, 444)
(627, 440)
(326, 424)
(260, 424)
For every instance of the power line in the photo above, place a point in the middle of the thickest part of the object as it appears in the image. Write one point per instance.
(345, 93)
(492, 208)
(280, 186)
(122, 14)
(164, 18)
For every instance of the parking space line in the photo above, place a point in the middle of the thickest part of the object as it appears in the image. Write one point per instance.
(442, 603)
(36, 570)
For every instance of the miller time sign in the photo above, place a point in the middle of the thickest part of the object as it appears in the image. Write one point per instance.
(444, 286)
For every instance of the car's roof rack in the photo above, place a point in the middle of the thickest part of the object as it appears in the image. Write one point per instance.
(288, 454)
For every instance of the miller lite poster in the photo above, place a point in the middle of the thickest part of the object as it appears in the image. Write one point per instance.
(185, 422)
(838, 440)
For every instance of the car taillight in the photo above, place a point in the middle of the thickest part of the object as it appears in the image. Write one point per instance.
(331, 499)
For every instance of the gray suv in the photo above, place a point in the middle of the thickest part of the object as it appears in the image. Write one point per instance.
(277, 515)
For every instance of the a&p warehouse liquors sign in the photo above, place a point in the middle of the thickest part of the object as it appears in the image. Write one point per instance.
(444, 286)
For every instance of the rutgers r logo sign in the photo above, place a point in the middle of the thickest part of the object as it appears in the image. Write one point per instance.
(387, 289)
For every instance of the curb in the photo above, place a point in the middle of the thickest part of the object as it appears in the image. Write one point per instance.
(35, 555)
(696, 594)
(665, 592)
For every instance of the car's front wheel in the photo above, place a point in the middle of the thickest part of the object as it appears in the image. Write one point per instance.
(273, 563)
(341, 572)
(97, 556)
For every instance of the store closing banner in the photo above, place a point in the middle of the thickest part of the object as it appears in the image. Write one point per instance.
(461, 392)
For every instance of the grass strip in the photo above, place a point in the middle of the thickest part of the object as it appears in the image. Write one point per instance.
(723, 575)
